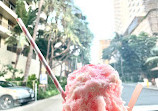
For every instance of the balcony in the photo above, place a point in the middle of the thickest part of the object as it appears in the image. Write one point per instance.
(7, 9)
(9, 4)
(5, 29)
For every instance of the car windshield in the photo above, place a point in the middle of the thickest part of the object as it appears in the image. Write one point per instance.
(6, 84)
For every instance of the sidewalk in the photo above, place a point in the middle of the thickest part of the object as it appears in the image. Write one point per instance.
(144, 86)
(151, 87)
(51, 104)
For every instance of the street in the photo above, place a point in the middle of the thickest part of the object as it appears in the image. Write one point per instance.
(147, 97)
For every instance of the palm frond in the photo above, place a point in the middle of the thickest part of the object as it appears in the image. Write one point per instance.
(151, 59)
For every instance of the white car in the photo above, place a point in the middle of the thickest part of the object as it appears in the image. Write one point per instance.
(11, 95)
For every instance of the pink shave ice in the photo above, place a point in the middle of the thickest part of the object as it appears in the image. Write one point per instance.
(94, 88)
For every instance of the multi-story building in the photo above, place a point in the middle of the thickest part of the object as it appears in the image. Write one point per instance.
(8, 54)
(135, 16)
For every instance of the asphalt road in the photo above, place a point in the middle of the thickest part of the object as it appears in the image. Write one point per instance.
(147, 97)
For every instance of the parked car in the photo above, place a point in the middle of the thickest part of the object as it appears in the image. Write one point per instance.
(10, 94)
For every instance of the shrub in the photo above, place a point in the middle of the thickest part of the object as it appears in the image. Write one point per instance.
(51, 90)
(31, 79)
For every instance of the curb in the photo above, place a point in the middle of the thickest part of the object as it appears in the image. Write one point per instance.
(151, 88)
(144, 87)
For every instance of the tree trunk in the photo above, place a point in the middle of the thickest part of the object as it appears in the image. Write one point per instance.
(52, 56)
(29, 58)
(40, 69)
(61, 70)
(18, 52)
(123, 76)
(28, 64)
(48, 48)
(16, 61)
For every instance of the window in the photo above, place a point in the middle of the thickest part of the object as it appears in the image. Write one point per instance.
(6, 84)
(12, 48)
(129, 5)
(12, 6)
(133, 4)
(10, 25)
(26, 51)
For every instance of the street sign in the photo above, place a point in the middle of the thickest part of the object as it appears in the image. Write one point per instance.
(43, 79)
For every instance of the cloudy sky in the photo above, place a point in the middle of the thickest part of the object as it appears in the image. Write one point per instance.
(100, 17)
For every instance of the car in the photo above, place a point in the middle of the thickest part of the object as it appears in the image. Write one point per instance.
(10, 95)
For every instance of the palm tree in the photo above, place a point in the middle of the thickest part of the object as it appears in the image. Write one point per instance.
(54, 34)
(154, 58)
(19, 42)
(29, 58)
(18, 38)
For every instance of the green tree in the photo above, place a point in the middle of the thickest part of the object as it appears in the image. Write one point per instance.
(29, 58)
(66, 32)
(59, 30)
(134, 51)
(42, 44)
(9, 69)
(114, 47)
(18, 38)
(19, 42)
(151, 63)
(85, 37)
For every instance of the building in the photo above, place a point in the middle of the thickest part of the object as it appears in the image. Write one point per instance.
(135, 16)
(102, 45)
(8, 54)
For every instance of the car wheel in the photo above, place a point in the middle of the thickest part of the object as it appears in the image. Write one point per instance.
(6, 102)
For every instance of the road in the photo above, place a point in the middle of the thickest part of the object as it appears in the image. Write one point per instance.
(147, 97)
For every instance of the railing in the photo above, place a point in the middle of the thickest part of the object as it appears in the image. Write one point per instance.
(12, 7)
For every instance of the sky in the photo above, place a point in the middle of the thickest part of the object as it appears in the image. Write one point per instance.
(100, 16)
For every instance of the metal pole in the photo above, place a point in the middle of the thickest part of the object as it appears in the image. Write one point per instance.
(35, 91)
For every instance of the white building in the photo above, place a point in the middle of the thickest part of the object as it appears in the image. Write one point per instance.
(8, 54)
